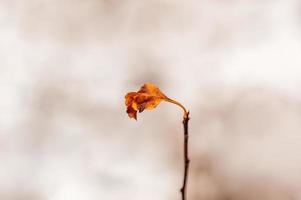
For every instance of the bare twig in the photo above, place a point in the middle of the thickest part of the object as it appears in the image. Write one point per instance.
(186, 158)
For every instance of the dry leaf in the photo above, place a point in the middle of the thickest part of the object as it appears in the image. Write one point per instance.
(148, 97)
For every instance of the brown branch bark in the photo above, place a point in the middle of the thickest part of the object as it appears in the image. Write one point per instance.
(186, 158)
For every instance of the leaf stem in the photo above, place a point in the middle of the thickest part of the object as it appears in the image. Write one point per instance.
(178, 104)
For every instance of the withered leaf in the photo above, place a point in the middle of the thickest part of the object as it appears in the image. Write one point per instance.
(148, 97)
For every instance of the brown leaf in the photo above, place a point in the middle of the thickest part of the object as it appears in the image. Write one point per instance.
(148, 97)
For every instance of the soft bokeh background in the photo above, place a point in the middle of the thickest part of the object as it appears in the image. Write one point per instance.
(65, 66)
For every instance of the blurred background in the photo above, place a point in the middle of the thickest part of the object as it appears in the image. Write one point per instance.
(65, 66)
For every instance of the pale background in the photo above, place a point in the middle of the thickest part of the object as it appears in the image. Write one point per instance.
(65, 66)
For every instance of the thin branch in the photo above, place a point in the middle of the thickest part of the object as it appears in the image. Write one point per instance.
(186, 158)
